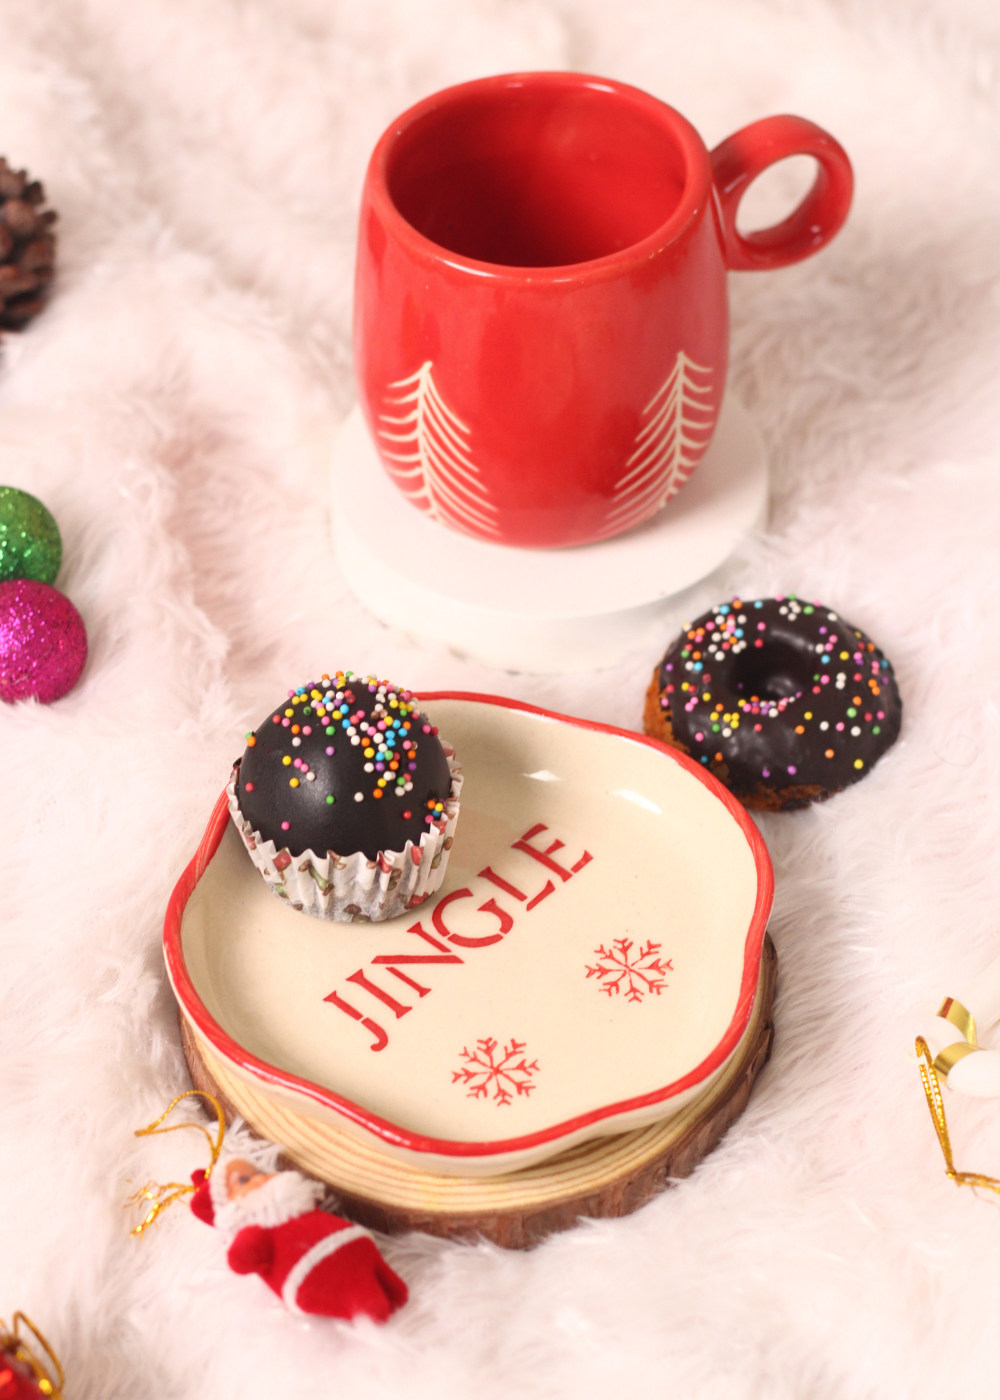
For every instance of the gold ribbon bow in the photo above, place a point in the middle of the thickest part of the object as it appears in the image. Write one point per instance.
(11, 1341)
(162, 1196)
(963, 1019)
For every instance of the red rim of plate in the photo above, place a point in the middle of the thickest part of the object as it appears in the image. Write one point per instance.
(195, 1009)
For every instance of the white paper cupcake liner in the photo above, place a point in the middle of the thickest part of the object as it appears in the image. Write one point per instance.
(353, 888)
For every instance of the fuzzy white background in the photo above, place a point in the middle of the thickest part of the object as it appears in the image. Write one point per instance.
(174, 408)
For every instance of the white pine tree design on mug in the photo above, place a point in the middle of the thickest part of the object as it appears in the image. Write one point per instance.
(667, 450)
(428, 445)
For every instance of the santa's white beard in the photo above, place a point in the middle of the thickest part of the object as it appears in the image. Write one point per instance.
(281, 1198)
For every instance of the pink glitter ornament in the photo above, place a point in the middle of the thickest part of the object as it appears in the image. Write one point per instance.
(43, 642)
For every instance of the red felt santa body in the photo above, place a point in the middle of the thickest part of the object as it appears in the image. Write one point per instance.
(314, 1261)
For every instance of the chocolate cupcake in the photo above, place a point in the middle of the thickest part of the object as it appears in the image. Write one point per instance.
(347, 799)
(783, 701)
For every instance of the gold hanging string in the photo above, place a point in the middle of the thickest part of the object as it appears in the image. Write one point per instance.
(932, 1088)
(18, 1347)
(161, 1196)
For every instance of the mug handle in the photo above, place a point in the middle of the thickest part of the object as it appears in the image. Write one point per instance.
(742, 157)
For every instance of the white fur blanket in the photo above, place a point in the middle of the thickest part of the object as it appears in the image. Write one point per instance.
(174, 407)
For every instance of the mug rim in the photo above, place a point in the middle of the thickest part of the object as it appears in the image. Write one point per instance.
(695, 192)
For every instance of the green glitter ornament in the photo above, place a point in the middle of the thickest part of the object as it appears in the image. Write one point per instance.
(30, 543)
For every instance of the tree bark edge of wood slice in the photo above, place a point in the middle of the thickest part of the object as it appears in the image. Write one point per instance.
(604, 1177)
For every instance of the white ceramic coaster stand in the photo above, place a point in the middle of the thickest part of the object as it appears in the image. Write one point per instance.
(541, 610)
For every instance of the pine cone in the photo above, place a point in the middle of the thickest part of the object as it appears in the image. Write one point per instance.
(27, 247)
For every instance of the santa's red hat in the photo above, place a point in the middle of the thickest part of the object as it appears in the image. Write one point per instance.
(201, 1202)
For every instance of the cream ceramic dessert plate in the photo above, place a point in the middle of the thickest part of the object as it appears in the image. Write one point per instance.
(589, 965)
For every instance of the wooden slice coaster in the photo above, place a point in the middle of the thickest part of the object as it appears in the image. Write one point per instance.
(607, 1176)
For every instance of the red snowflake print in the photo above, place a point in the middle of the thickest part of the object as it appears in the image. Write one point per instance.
(618, 970)
(487, 1068)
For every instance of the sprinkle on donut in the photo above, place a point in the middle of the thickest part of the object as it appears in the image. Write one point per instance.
(783, 701)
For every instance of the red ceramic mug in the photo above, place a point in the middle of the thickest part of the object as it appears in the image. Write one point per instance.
(541, 319)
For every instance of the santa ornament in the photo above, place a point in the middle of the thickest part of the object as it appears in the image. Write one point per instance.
(273, 1225)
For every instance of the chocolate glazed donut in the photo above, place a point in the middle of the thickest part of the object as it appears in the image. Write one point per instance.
(783, 701)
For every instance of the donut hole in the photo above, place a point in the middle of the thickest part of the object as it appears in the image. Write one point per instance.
(775, 671)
